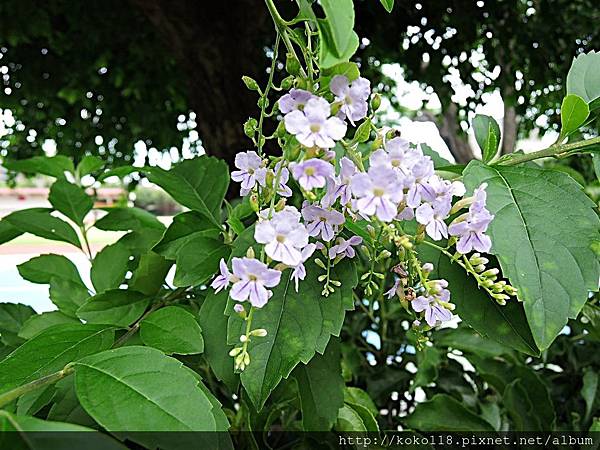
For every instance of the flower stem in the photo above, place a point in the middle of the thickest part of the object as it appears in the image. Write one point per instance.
(259, 144)
(15, 393)
(555, 150)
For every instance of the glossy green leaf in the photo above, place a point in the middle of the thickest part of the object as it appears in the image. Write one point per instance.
(54, 166)
(44, 434)
(114, 307)
(583, 78)
(119, 172)
(318, 380)
(468, 340)
(290, 341)
(8, 232)
(67, 290)
(66, 406)
(349, 420)
(110, 266)
(213, 321)
(172, 330)
(589, 391)
(573, 113)
(487, 134)
(428, 360)
(50, 351)
(340, 19)
(184, 227)
(149, 276)
(198, 260)
(42, 223)
(520, 407)
(199, 183)
(438, 161)
(388, 5)
(71, 200)
(125, 219)
(445, 413)
(367, 417)
(504, 324)
(12, 318)
(356, 396)
(542, 242)
(40, 322)
(89, 164)
(141, 389)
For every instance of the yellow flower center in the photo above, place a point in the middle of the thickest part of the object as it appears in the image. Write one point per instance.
(280, 238)
(310, 171)
(378, 192)
(252, 277)
(315, 128)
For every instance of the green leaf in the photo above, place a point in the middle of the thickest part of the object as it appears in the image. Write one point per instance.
(54, 166)
(583, 78)
(125, 219)
(444, 413)
(589, 391)
(198, 260)
(321, 379)
(184, 227)
(438, 161)
(40, 322)
(45, 434)
(595, 160)
(348, 69)
(141, 389)
(349, 420)
(542, 242)
(520, 407)
(289, 340)
(12, 318)
(42, 223)
(199, 183)
(467, 340)
(573, 113)
(428, 360)
(367, 417)
(327, 56)
(89, 164)
(117, 307)
(66, 406)
(487, 134)
(50, 351)
(172, 330)
(340, 19)
(70, 200)
(213, 321)
(8, 232)
(67, 290)
(119, 172)
(30, 403)
(356, 396)
(150, 274)
(110, 266)
(388, 5)
(505, 324)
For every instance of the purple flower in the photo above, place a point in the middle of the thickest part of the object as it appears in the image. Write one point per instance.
(377, 193)
(222, 280)
(479, 198)
(238, 308)
(322, 221)
(421, 173)
(313, 126)
(444, 190)
(432, 215)
(339, 187)
(312, 173)
(250, 171)
(294, 100)
(398, 155)
(283, 189)
(299, 272)
(353, 96)
(434, 312)
(345, 247)
(394, 290)
(283, 235)
(254, 277)
(470, 232)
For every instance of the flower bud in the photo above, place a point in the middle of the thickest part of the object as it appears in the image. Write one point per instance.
(280, 204)
(375, 102)
(238, 308)
(319, 263)
(490, 273)
(447, 305)
(250, 127)
(250, 83)
(371, 231)
(404, 241)
(335, 108)
(427, 268)
(287, 83)
(391, 134)
(479, 268)
(384, 254)
(262, 102)
(243, 338)
(254, 202)
(335, 283)
(501, 298)
(259, 332)
(377, 143)
(250, 253)
(292, 65)
(235, 351)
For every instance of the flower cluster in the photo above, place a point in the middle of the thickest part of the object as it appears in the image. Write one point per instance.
(393, 182)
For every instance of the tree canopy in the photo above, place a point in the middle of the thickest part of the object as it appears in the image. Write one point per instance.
(99, 76)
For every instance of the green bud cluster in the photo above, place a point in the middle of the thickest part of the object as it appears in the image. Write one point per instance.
(499, 290)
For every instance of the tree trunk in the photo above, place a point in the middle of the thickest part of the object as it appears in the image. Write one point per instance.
(509, 126)
(216, 43)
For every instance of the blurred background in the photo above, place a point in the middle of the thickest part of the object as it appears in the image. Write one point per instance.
(143, 82)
